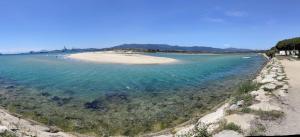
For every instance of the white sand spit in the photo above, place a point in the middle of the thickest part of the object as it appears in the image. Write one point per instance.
(120, 58)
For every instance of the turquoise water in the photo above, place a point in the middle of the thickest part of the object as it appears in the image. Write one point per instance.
(158, 85)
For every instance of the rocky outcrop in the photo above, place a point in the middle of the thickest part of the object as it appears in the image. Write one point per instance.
(24, 128)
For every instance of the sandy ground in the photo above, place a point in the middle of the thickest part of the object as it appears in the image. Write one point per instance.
(291, 123)
(120, 58)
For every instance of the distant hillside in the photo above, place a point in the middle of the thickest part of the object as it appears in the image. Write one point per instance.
(165, 47)
(150, 48)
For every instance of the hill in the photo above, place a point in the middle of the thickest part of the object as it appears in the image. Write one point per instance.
(170, 48)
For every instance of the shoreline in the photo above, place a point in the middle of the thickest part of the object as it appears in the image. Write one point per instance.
(244, 117)
(185, 128)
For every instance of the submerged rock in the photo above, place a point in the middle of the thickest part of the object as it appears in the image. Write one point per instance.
(95, 105)
(69, 92)
(46, 94)
(120, 96)
(9, 87)
(61, 101)
(55, 98)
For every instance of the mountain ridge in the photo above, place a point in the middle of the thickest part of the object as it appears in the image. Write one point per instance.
(166, 47)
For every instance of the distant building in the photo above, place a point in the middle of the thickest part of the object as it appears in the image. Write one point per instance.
(288, 52)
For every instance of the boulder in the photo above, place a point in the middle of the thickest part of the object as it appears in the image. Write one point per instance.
(278, 83)
(267, 79)
(240, 103)
(280, 74)
(269, 87)
(280, 78)
(233, 107)
(214, 117)
(3, 129)
(285, 87)
(281, 93)
(260, 95)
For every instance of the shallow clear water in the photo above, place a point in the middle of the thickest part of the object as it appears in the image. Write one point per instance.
(49, 73)
(165, 84)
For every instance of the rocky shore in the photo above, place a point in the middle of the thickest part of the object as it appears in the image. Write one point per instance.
(246, 113)
(14, 125)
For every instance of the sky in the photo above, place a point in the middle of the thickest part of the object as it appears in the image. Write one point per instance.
(52, 24)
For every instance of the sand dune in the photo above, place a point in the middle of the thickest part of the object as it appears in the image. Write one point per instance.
(120, 58)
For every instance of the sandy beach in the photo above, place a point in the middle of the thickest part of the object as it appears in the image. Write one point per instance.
(120, 58)
(291, 123)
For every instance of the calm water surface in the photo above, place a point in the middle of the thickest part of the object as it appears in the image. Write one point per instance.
(127, 90)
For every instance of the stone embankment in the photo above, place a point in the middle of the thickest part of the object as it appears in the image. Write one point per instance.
(244, 114)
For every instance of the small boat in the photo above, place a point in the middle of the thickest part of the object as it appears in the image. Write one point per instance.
(246, 57)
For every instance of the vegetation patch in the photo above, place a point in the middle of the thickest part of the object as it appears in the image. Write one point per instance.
(247, 86)
(232, 126)
(269, 115)
(7, 134)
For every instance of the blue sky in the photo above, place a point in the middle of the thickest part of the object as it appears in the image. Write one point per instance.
(51, 24)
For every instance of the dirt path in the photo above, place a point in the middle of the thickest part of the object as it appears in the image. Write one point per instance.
(291, 123)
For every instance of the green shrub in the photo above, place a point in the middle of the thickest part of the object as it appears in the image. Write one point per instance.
(234, 127)
(247, 87)
(269, 115)
(246, 110)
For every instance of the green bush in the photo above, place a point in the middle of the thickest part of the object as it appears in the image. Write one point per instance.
(247, 87)
(269, 115)
(234, 127)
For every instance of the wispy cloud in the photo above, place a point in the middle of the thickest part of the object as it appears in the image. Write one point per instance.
(236, 13)
(217, 20)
